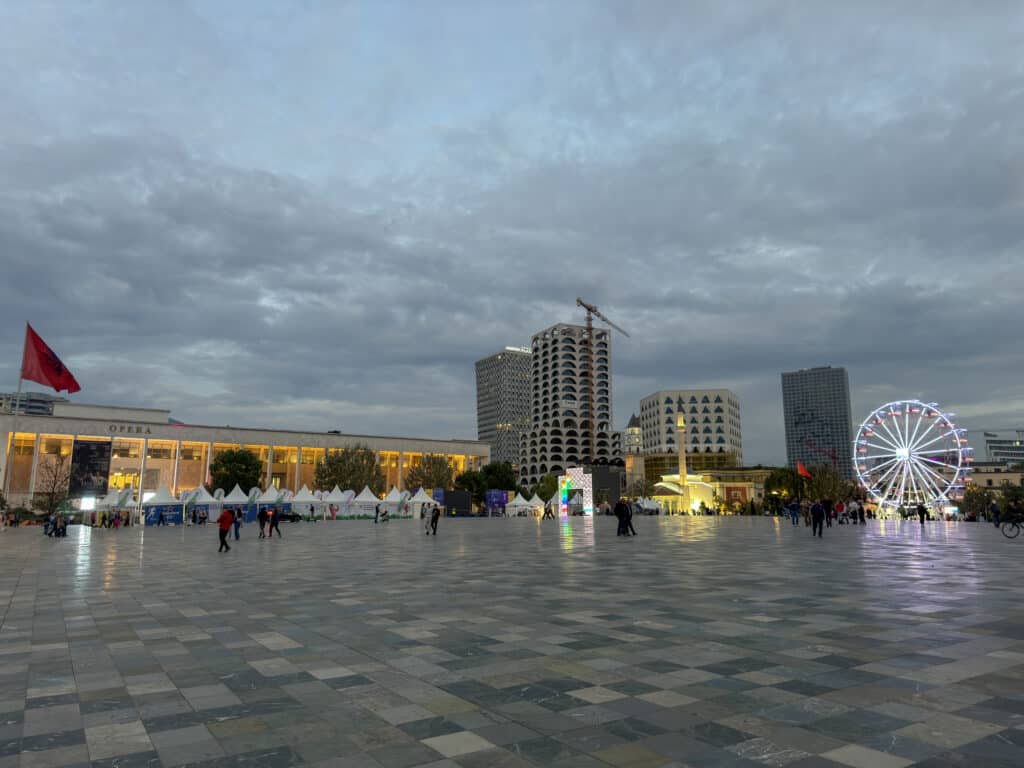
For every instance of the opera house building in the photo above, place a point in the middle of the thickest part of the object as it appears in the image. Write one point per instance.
(108, 448)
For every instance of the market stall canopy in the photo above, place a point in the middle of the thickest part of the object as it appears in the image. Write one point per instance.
(237, 496)
(269, 496)
(162, 497)
(304, 496)
(421, 497)
(367, 496)
(518, 501)
(536, 501)
(393, 497)
(202, 496)
(339, 496)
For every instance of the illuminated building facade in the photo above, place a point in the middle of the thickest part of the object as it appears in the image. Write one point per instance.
(503, 402)
(147, 451)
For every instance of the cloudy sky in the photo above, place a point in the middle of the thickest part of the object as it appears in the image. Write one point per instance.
(319, 214)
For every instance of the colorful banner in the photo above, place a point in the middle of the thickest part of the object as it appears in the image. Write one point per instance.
(495, 502)
(90, 468)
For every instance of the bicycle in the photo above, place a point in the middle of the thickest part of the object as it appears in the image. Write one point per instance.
(1010, 528)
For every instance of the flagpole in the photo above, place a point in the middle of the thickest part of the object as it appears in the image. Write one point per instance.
(14, 437)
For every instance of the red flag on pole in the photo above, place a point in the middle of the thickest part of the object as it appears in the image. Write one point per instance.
(802, 471)
(40, 364)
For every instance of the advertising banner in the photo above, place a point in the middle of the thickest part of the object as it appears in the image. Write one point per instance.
(495, 502)
(90, 468)
(172, 515)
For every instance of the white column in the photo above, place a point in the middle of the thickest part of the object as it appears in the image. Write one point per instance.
(298, 468)
(401, 465)
(209, 458)
(270, 467)
(177, 463)
(32, 476)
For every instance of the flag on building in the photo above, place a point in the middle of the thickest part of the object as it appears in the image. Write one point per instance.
(40, 364)
(802, 471)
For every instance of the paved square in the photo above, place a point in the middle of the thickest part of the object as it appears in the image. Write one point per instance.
(701, 642)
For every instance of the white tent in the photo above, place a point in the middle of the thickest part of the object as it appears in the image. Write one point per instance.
(109, 501)
(162, 507)
(303, 500)
(650, 504)
(237, 496)
(417, 502)
(366, 502)
(517, 505)
(395, 502)
(162, 497)
(338, 502)
(270, 496)
(537, 502)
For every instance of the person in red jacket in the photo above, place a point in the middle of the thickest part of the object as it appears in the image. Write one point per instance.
(225, 521)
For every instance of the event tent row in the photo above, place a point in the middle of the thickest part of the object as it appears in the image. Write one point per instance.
(164, 508)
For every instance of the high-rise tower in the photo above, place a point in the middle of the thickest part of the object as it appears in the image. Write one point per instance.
(563, 421)
(816, 403)
(503, 402)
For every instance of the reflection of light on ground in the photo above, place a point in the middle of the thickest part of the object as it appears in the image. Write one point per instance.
(576, 533)
(82, 567)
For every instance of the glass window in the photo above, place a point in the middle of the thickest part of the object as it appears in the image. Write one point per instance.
(125, 464)
(53, 471)
(159, 465)
(307, 468)
(21, 462)
(285, 470)
(192, 466)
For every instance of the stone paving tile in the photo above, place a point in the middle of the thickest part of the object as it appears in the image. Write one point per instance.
(737, 642)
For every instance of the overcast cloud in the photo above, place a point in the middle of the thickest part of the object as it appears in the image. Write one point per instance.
(318, 215)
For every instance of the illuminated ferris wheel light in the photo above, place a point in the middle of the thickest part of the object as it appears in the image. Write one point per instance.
(908, 452)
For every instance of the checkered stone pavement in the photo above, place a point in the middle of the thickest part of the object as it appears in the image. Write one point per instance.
(514, 643)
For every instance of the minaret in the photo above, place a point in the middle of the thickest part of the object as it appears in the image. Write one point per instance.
(681, 442)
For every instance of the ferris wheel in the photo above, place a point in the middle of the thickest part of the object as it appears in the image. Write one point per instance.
(908, 453)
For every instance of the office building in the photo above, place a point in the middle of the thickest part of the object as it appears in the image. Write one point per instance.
(29, 403)
(142, 449)
(712, 421)
(503, 402)
(1004, 446)
(563, 433)
(816, 405)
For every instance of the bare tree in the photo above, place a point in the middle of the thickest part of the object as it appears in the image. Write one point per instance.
(53, 483)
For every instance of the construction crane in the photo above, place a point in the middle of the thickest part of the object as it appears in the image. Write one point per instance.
(593, 312)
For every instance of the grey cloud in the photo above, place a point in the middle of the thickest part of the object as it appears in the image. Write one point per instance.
(318, 217)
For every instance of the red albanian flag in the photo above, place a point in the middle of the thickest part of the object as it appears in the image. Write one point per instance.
(802, 471)
(40, 364)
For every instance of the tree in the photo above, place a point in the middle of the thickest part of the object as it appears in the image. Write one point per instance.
(640, 489)
(976, 501)
(546, 488)
(475, 483)
(351, 468)
(236, 466)
(826, 483)
(433, 472)
(1012, 496)
(53, 482)
(499, 476)
(783, 483)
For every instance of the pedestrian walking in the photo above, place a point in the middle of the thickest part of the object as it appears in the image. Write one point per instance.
(376, 513)
(261, 518)
(237, 522)
(621, 512)
(827, 504)
(225, 521)
(817, 518)
(630, 509)
(860, 514)
(275, 522)
(922, 512)
(160, 519)
(435, 516)
(794, 512)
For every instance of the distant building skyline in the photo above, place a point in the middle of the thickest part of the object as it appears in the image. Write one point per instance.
(503, 402)
(818, 421)
(564, 424)
(713, 423)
